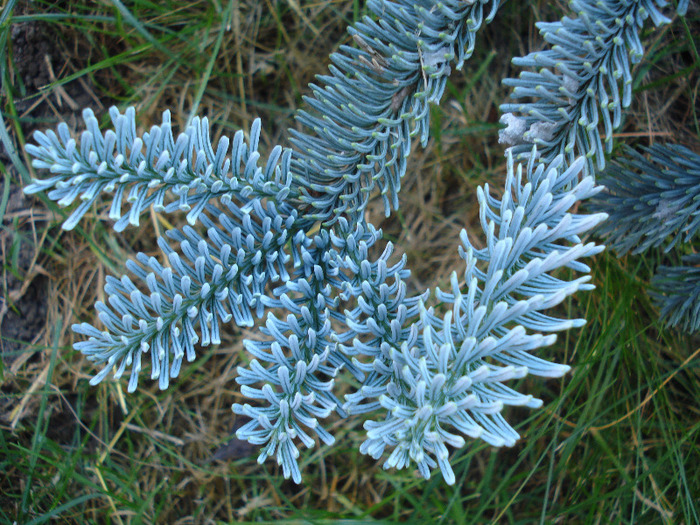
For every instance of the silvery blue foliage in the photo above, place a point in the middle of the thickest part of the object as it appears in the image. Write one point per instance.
(678, 293)
(576, 83)
(286, 240)
(210, 280)
(186, 168)
(653, 198)
(297, 395)
(359, 123)
(574, 90)
(445, 379)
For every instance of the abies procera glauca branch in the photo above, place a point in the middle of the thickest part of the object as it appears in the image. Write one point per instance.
(653, 198)
(283, 243)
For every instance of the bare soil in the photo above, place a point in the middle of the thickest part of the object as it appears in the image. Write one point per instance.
(24, 297)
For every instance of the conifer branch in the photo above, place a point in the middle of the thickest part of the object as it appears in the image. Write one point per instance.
(652, 197)
(209, 281)
(576, 83)
(430, 375)
(678, 293)
(187, 168)
(359, 123)
(446, 379)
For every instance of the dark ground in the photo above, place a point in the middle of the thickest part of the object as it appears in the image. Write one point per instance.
(24, 297)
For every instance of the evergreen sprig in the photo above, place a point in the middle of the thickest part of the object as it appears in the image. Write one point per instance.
(678, 293)
(289, 240)
(446, 379)
(576, 83)
(653, 197)
(360, 120)
(209, 281)
(187, 168)
(302, 354)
